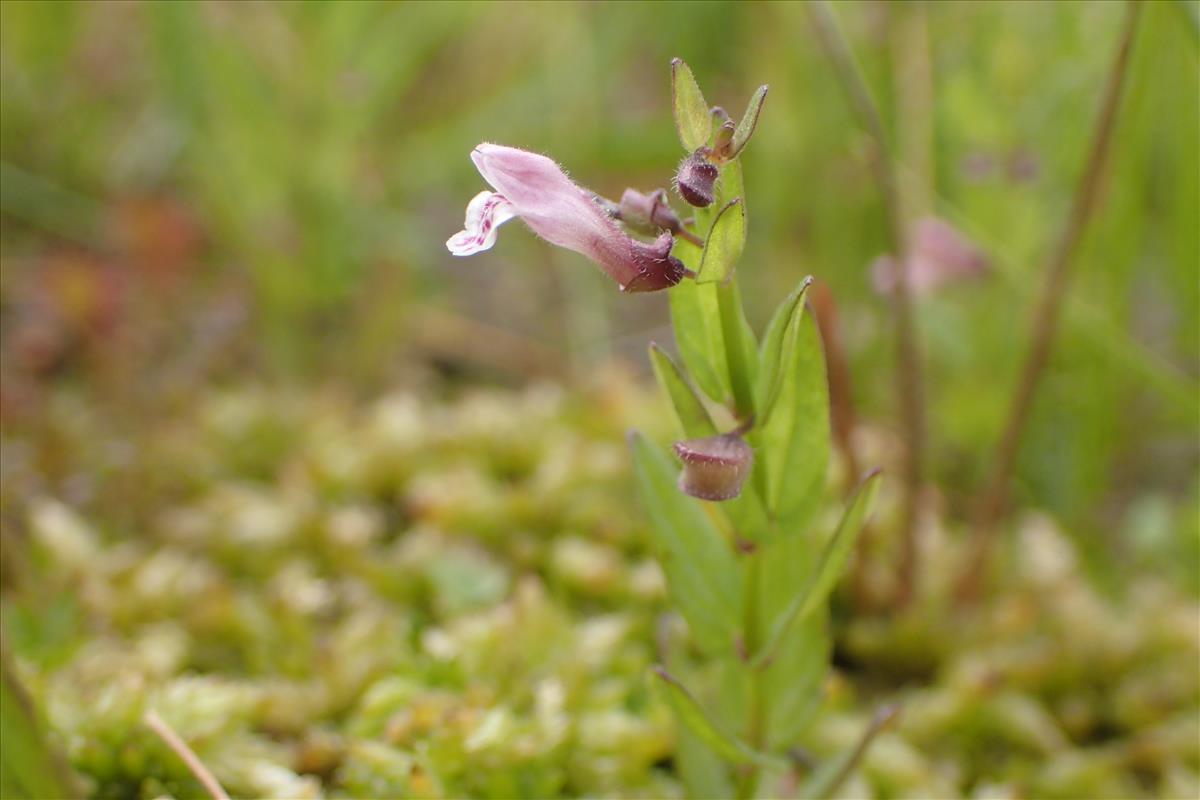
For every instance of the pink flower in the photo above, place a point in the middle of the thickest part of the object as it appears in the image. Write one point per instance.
(940, 255)
(534, 188)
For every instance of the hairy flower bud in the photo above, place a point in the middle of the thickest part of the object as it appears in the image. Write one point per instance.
(647, 213)
(723, 139)
(714, 468)
(695, 179)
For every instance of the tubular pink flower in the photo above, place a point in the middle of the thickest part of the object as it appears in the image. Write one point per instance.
(535, 188)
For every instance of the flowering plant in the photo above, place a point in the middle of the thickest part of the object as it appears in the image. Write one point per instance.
(746, 565)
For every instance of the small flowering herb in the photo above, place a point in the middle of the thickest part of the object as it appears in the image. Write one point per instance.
(732, 517)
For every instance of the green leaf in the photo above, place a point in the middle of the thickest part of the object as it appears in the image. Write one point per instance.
(793, 680)
(696, 311)
(703, 773)
(697, 322)
(692, 118)
(731, 184)
(690, 412)
(724, 245)
(30, 769)
(825, 781)
(745, 128)
(692, 716)
(794, 442)
(829, 569)
(741, 358)
(779, 348)
(700, 567)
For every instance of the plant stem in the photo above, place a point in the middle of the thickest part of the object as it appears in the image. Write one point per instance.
(909, 379)
(1046, 315)
(186, 754)
(747, 781)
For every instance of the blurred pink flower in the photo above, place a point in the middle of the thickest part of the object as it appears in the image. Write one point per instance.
(940, 255)
(534, 188)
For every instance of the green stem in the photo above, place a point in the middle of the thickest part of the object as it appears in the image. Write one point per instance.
(747, 782)
(1046, 315)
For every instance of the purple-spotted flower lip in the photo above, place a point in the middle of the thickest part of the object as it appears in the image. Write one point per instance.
(535, 188)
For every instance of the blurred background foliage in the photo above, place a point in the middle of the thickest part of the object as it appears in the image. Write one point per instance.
(303, 165)
(198, 196)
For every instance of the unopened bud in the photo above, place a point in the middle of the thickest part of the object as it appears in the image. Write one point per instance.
(695, 180)
(723, 141)
(714, 468)
(648, 213)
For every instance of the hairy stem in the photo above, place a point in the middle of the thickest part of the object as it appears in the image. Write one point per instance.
(1046, 315)
(909, 377)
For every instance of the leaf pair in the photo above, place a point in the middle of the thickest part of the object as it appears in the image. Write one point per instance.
(693, 118)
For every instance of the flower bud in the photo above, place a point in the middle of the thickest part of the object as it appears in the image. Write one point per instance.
(715, 467)
(647, 213)
(695, 180)
(723, 140)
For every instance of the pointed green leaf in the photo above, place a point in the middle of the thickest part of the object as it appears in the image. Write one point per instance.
(731, 184)
(794, 441)
(692, 716)
(826, 780)
(724, 245)
(779, 348)
(697, 323)
(690, 412)
(829, 569)
(700, 567)
(745, 128)
(741, 356)
(692, 118)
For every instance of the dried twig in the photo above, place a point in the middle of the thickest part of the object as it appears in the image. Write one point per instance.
(909, 381)
(157, 724)
(1046, 315)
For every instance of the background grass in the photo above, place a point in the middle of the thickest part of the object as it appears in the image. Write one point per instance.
(196, 196)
